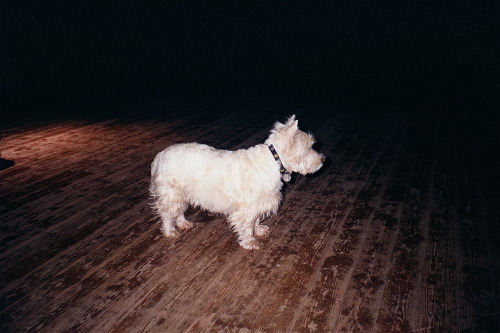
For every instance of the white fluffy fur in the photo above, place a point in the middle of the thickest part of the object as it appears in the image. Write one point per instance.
(244, 184)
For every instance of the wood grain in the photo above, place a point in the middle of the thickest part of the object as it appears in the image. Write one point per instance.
(398, 233)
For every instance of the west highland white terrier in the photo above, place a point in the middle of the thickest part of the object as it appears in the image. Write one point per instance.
(244, 184)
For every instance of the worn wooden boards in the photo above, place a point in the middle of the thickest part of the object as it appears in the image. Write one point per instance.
(398, 233)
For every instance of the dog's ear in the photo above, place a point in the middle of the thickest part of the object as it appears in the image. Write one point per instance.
(291, 125)
(292, 122)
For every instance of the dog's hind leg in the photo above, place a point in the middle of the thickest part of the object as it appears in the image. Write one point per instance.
(170, 205)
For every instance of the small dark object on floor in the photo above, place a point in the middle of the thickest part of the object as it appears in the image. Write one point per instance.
(4, 164)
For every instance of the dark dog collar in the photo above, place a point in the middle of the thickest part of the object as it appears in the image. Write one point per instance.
(285, 175)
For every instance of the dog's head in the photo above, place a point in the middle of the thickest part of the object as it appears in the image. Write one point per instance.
(295, 147)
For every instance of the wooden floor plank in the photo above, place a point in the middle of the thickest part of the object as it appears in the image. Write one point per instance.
(397, 233)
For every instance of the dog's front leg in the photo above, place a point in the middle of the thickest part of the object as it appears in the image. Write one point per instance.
(243, 225)
(261, 230)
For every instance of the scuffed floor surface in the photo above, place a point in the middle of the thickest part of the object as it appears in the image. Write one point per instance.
(398, 233)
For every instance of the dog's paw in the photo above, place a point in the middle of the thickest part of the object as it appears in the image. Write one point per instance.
(261, 230)
(250, 245)
(170, 233)
(183, 224)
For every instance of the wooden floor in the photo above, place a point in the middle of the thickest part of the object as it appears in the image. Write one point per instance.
(398, 233)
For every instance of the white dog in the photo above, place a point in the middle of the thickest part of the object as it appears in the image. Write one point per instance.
(244, 184)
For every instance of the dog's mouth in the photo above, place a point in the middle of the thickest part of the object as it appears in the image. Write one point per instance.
(320, 165)
(312, 167)
(317, 168)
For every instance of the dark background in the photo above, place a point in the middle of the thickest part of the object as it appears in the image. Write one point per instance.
(85, 58)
